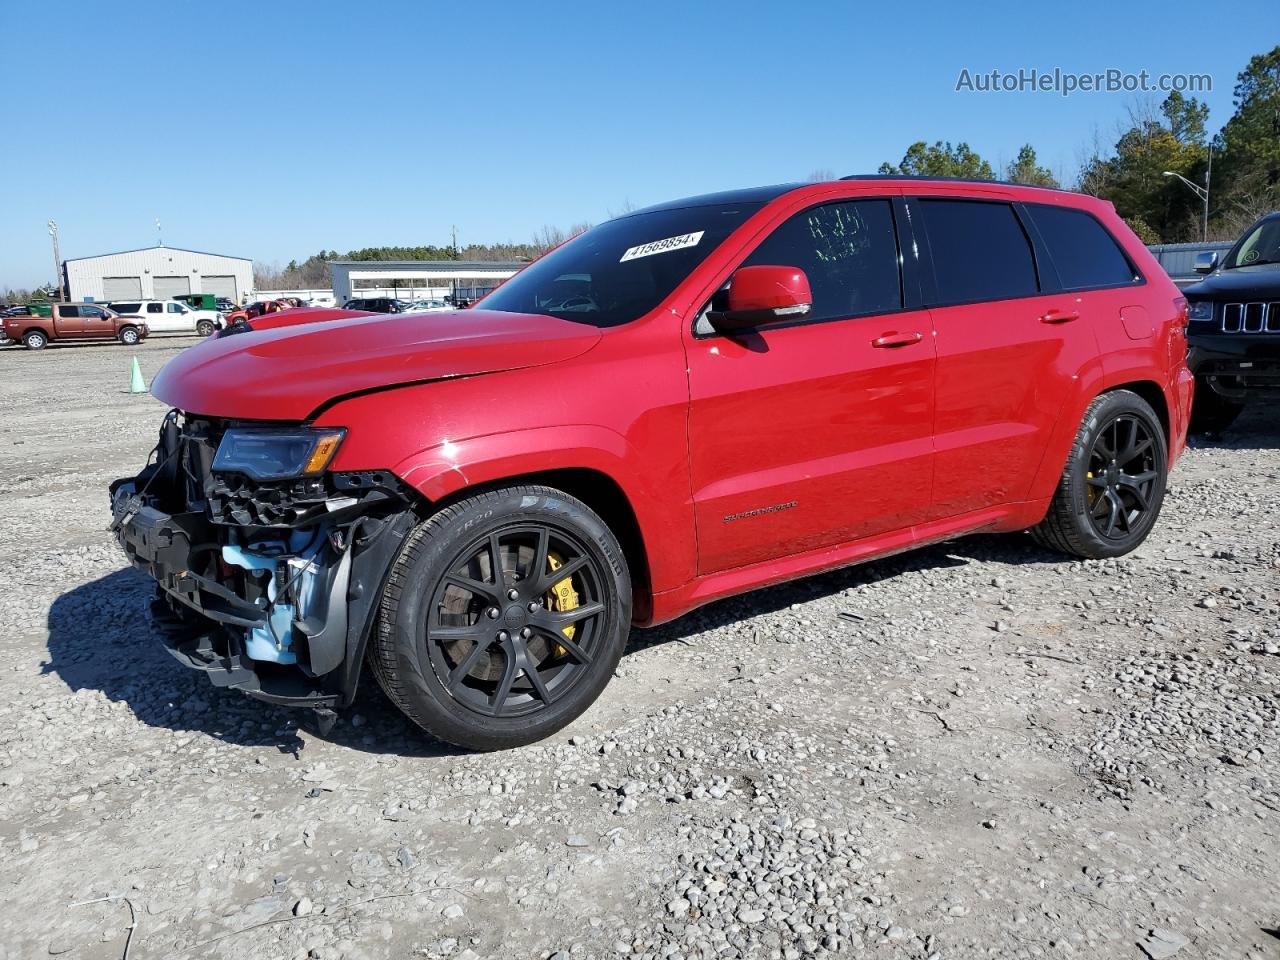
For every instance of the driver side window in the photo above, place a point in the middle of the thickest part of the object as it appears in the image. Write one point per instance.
(848, 250)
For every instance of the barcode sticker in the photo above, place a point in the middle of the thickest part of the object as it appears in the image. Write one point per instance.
(662, 246)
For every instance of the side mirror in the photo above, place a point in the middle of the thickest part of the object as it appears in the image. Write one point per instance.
(763, 295)
(1205, 262)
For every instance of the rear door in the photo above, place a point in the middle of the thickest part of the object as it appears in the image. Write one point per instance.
(819, 432)
(157, 320)
(1010, 344)
(67, 320)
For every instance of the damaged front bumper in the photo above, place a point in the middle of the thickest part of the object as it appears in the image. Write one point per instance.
(270, 589)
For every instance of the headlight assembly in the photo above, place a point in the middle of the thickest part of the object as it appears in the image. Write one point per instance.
(277, 453)
(1200, 310)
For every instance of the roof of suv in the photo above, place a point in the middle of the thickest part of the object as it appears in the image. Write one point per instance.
(766, 194)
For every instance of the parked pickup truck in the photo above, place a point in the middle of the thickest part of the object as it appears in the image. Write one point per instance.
(74, 321)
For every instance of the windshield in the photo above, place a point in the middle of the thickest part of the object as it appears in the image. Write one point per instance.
(1260, 245)
(622, 269)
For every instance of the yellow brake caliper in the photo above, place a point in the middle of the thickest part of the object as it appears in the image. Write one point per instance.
(562, 598)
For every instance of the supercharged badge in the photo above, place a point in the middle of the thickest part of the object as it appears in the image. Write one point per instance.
(760, 511)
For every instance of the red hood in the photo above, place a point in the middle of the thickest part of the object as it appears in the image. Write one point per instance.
(288, 372)
(296, 315)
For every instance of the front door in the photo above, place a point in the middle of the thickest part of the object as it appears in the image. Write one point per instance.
(97, 322)
(819, 432)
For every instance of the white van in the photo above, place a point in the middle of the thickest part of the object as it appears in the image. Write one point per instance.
(170, 316)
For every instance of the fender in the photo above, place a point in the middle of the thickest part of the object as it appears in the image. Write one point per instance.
(451, 466)
(1094, 378)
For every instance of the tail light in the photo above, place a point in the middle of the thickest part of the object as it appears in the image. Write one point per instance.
(1178, 332)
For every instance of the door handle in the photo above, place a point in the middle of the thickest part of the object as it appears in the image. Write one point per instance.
(1058, 316)
(898, 339)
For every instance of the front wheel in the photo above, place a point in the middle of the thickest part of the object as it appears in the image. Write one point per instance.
(504, 617)
(129, 336)
(1113, 483)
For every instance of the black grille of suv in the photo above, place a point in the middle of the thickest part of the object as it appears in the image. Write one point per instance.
(1251, 317)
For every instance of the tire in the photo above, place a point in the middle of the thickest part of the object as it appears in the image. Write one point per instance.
(35, 340)
(129, 336)
(1210, 411)
(1106, 505)
(205, 328)
(489, 663)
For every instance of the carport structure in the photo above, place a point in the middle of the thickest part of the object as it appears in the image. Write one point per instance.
(418, 278)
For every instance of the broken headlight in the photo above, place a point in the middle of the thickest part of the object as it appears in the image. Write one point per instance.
(277, 453)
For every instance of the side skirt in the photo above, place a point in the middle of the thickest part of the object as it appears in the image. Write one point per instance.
(1005, 518)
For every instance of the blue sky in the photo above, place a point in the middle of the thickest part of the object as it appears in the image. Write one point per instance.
(275, 129)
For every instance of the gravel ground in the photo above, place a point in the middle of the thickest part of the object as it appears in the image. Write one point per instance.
(979, 749)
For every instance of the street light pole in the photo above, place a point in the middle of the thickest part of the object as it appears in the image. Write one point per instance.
(1201, 192)
(57, 260)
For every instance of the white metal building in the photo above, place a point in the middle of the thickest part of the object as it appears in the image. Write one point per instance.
(417, 278)
(156, 273)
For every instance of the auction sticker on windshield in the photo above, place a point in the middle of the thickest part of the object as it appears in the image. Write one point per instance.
(662, 246)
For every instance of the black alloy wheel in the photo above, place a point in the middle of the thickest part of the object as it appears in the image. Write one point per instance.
(515, 622)
(1113, 482)
(503, 617)
(1122, 476)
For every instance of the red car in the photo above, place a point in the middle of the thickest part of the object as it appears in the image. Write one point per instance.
(684, 403)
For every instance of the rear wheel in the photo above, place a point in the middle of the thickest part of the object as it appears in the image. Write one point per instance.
(129, 336)
(1210, 411)
(1113, 483)
(35, 340)
(205, 328)
(504, 617)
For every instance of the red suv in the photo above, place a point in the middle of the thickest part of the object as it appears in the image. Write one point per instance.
(684, 403)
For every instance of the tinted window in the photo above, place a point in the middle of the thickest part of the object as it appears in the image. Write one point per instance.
(1085, 254)
(622, 269)
(980, 251)
(69, 311)
(1260, 245)
(155, 308)
(93, 313)
(849, 252)
(126, 307)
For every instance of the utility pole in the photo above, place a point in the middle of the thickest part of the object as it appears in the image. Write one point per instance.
(455, 241)
(57, 261)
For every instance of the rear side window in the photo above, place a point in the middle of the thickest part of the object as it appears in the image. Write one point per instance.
(849, 252)
(1085, 254)
(126, 307)
(155, 308)
(69, 311)
(980, 251)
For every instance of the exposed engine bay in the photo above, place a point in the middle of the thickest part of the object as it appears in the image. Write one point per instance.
(267, 584)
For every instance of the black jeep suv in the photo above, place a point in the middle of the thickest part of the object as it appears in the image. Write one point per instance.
(1234, 329)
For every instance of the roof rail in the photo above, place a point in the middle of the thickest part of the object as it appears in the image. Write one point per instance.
(974, 180)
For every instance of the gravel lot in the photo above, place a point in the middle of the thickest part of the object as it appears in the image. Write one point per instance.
(979, 749)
